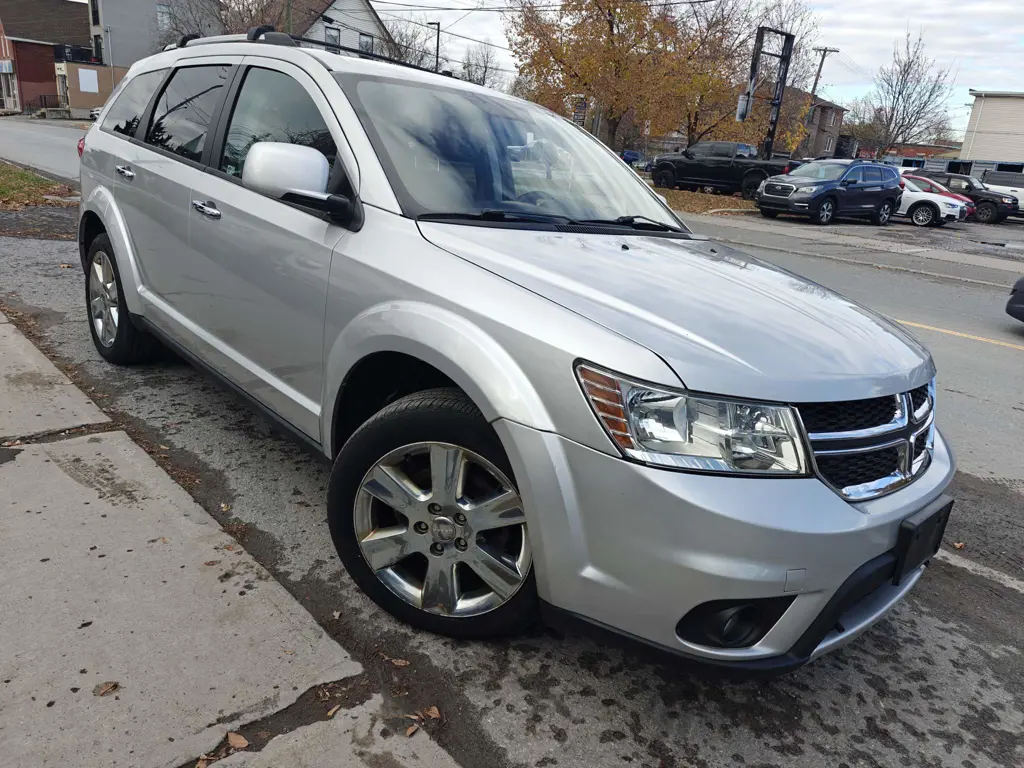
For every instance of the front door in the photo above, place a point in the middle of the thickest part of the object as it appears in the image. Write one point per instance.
(266, 263)
(851, 191)
(716, 167)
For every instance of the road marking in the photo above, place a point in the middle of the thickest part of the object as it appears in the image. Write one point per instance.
(981, 570)
(961, 335)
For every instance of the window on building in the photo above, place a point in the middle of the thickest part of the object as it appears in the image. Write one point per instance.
(365, 42)
(271, 106)
(163, 17)
(125, 113)
(332, 36)
(94, 8)
(97, 48)
(182, 115)
(830, 142)
(831, 118)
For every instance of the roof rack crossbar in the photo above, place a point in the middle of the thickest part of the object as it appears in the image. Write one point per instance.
(358, 52)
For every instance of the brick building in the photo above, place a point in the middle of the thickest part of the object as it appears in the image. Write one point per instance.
(28, 33)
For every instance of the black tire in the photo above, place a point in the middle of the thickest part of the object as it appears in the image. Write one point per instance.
(882, 215)
(130, 345)
(750, 184)
(768, 214)
(664, 178)
(438, 415)
(987, 213)
(923, 215)
(826, 212)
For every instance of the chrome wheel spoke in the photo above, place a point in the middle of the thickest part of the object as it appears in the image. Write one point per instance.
(440, 587)
(392, 487)
(97, 270)
(97, 306)
(385, 547)
(447, 468)
(496, 573)
(499, 511)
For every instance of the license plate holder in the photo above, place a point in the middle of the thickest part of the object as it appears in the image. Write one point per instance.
(920, 536)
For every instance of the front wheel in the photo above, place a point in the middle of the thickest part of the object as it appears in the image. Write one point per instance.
(426, 518)
(664, 179)
(826, 212)
(987, 213)
(922, 215)
(882, 214)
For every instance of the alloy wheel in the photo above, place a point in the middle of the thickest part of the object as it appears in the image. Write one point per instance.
(443, 529)
(103, 299)
(923, 216)
(884, 213)
(826, 211)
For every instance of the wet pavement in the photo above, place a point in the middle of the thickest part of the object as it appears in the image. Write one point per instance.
(940, 683)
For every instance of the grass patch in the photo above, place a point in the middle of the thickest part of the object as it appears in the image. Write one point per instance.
(20, 188)
(701, 202)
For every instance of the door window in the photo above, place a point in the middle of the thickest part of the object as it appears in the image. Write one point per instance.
(125, 113)
(722, 149)
(857, 175)
(272, 106)
(183, 111)
(699, 151)
(959, 185)
(872, 175)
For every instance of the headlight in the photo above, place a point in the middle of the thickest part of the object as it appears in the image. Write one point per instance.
(952, 205)
(808, 190)
(1009, 200)
(683, 431)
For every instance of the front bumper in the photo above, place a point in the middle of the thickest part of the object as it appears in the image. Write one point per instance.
(799, 204)
(634, 549)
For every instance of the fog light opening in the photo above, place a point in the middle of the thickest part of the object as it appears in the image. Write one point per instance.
(732, 623)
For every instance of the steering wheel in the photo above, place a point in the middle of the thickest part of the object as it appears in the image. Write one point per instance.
(533, 198)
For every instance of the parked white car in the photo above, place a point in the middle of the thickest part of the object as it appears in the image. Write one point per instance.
(927, 209)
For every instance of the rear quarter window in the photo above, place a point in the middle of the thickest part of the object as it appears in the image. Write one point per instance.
(126, 112)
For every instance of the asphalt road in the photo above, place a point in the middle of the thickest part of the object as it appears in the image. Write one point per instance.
(940, 683)
(49, 147)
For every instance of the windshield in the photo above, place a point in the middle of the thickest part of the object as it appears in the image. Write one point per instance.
(820, 171)
(978, 183)
(910, 185)
(456, 151)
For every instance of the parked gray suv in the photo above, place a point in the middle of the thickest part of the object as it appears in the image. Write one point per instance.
(540, 392)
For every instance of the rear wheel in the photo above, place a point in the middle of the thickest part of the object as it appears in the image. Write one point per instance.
(115, 336)
(922, 215)
(881, 216)
(987, 213)
(427, 519)
(826, 212)
(750, 184)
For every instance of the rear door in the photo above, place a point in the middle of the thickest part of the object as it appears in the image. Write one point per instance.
(266, 263)
(163, 162)
(874, 187)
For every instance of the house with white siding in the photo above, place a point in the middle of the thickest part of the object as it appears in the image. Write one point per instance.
(350, 23)
(996, 128)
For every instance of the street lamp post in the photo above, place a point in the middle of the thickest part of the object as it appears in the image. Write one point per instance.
(437, 49)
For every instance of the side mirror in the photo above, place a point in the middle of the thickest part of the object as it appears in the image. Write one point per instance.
(848, 182)
(295, 174)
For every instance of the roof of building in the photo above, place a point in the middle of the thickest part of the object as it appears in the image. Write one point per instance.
(1008, 94)
(50, 21)
(311, 10)
(818, 101)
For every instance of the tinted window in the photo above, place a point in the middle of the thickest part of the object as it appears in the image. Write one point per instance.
(821, 171)
(959, 185)
(184, 110)
(126, 112)
(722, 149)
(872, 174)
(700, 150)
(891, 174)
(271, 106)
(857, 174)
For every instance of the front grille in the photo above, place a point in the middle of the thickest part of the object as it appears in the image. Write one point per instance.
(849, 415)
(846, 470)
(778, 190)
(873, 442)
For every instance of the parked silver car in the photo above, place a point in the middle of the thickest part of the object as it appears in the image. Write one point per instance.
(539, 390)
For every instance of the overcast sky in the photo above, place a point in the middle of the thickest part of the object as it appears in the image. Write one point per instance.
(982, 39)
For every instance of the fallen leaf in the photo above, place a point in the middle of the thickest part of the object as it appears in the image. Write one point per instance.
(432, 713)
(164, 448)
(225, 507)
(415, 716)
(163, 540)
(336, 614)
(230, 547)
(237, 741)
(411, 730)
(331, 712)
(290, 653)
(399, 662)
(103, 689)
(211, 562)
(959, 545)
(65, 266)
(203, 762)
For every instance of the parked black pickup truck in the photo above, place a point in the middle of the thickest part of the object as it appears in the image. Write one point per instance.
(724, 165)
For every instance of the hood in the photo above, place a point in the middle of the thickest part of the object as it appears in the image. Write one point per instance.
(797, 181)
(726, 323)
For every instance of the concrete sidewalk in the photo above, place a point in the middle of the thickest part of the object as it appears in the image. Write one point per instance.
(134, 631)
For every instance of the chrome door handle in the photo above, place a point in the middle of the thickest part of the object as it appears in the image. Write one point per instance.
(125, 171)
(206, 209)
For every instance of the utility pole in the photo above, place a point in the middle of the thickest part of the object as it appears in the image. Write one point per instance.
(288, 16)
(814, 90)
(437, 49)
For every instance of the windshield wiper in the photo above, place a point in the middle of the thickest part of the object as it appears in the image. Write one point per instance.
(494, 215)
(636, 222)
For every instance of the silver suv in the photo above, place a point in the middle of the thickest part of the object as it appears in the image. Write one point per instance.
(540, 392)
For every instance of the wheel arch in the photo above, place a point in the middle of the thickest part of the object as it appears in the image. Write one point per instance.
(100, 214)
(431, 345)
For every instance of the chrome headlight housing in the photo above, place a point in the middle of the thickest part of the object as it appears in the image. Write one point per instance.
(1009, 201)
(952, 205)
(681, 430)
(808, 190)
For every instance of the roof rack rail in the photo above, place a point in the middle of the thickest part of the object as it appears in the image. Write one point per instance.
(334, 47)
(268, 34)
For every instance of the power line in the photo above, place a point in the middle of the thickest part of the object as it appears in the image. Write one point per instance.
(409, 7)
(452, 34)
